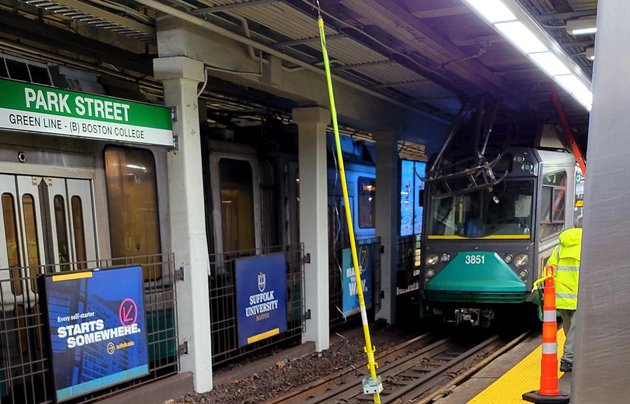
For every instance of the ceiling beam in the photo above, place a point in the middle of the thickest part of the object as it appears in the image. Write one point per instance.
(404, 83)
(433, 46)
(366, 64)
(284, 44)
(477, 40)
(441, 12)
(566, 16)
(88, 13)
(25, 28)
(229, 7)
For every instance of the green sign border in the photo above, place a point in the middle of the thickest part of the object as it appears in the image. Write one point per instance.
(140, 114)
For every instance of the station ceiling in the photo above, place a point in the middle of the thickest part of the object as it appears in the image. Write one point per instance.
(431, 54)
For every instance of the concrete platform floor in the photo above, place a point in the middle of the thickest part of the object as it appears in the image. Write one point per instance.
(526, 357)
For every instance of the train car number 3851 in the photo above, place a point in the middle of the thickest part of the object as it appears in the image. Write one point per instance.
(474, 259)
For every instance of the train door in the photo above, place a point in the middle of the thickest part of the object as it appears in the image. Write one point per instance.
(46, 221)
(290, 192)
(236, 202)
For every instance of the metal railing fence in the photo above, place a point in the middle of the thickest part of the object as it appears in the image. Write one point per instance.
(25, 366)
(223, 306)
(409, 261)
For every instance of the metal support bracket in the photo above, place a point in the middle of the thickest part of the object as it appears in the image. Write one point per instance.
(179, 274)
(371, 386)
(182, 349)
(174, 113)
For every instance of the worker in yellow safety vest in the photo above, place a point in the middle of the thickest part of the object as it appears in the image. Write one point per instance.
(566, 260)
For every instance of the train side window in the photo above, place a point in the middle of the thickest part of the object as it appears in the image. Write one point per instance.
(32, 247)
(133, 206)
(553, 201)
(79, 232)
(62, 232)
(11, 239)
(557, 209)
(237, 204)
(367, 202)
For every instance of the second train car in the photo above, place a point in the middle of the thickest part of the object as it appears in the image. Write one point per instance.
(252, 190)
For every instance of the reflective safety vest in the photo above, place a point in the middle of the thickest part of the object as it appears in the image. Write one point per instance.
(566, 259)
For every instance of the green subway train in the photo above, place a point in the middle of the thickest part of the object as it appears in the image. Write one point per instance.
(484, 247)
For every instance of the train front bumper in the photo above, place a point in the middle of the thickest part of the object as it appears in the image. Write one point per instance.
(483, 281)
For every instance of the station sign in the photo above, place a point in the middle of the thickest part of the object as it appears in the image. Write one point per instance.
(34, 108)
(350, 294)
(97, 329)
(261, 290)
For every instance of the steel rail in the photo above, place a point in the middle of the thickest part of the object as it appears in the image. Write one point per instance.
(470, 372)
(384, 357)
(439, 346)
(424, 380)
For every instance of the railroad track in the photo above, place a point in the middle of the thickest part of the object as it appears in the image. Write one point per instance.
(418, 370)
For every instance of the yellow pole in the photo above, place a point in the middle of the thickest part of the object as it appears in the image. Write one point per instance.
(369, 349)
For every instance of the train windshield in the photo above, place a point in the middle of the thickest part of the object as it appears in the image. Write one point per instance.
(503, 212)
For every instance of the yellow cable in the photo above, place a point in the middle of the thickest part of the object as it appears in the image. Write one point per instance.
(369, 349)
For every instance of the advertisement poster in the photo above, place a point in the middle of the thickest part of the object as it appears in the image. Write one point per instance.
(350, 298)
(97, 329)
(419, 172)
(261, 289)
(411, 184)
(407, 197)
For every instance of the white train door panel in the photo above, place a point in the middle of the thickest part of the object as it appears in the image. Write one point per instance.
(45, 222)
(82, 227)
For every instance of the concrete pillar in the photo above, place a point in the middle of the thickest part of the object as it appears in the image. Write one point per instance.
(180, 77)
(312, 123)
(387, 202)
(603, 317)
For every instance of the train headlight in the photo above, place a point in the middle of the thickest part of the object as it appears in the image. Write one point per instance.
(523, 273)
(431, 260)
(445, 257)
(521, 260)
(430, 273)
(508, 258)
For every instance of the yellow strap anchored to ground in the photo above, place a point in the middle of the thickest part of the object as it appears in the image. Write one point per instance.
(369, 349)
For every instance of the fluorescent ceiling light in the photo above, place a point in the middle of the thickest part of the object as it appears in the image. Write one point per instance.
(576, 88)
(549, 63)
(492, 10)
(584, 31)
(532, 40)
(571, 83)
(582, 26)
(521, 37)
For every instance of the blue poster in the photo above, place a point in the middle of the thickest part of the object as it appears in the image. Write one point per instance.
(411, 174)
(350, 297)
(419, 172)
(97, 329)
(261, 290)
(406, 197)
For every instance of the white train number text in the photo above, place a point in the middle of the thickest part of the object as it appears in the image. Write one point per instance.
(475, 259)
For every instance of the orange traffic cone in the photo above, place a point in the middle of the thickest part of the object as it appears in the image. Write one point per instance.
(549, 391)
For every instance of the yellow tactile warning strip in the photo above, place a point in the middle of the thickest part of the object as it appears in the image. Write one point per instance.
(523, 377)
